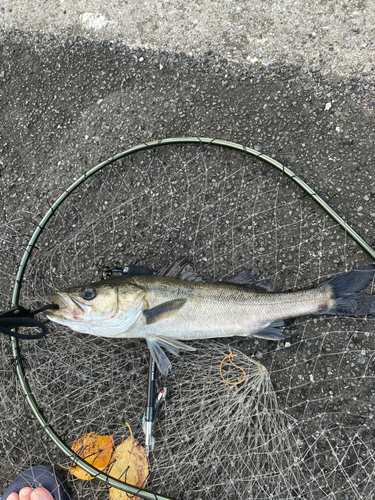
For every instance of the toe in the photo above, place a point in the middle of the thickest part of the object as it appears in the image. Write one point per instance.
(40, 494)
(25, 493)
(13, 496)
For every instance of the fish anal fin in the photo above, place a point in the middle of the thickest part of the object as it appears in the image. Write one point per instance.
(163, 311)
(271, 332)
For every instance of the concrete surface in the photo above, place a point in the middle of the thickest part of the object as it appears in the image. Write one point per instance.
(336, 38)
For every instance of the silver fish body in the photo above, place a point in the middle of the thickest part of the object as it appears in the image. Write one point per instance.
(213, 310)
(165, 311)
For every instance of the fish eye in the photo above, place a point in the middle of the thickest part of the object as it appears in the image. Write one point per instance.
(88, 293)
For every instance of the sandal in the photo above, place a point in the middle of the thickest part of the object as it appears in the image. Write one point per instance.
(36, 477)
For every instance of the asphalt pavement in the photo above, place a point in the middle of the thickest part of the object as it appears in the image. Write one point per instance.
(81, 81)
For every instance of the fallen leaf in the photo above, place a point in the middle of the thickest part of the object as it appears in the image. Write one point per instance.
(95, 450)
(129, 464)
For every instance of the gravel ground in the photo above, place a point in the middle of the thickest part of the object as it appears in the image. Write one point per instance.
(68, 103)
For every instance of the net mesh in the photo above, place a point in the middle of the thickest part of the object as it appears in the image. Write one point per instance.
(300, 426)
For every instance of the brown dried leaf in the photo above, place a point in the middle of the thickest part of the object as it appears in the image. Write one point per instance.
(95, 450)
(129, 465)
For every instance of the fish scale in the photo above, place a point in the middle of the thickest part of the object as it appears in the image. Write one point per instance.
(165, 311)
(224, 310)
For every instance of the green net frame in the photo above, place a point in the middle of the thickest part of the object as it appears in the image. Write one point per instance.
(132, 490)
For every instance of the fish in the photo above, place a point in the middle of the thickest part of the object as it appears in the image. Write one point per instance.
(166, 311)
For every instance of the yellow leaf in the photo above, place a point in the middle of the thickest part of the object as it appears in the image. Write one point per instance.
(95, 450)
(129, 464)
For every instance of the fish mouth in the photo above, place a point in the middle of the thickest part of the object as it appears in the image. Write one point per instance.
(67, 306)
(58, 299)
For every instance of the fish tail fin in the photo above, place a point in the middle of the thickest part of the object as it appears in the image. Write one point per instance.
(347, 290)
(172, 345)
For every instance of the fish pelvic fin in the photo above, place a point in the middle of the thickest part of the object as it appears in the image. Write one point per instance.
(347, 289)
(157, 343)
(163, 311)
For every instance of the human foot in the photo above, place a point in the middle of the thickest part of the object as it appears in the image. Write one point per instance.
(37, 483)
(30, 494)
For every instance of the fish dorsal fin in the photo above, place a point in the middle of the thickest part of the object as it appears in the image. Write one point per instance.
(181, 269)
(250, 281)
(163, 311)
(156, 344)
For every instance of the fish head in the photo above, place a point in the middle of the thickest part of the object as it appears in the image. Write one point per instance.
(101, 308)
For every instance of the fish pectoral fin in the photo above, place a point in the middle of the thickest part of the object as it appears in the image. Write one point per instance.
(163, 311)
(271, 332)
(157, 343)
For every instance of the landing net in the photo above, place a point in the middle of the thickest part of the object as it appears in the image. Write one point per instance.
(300, 426)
